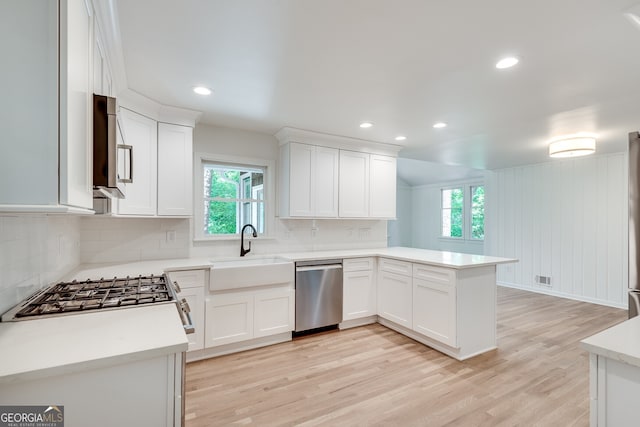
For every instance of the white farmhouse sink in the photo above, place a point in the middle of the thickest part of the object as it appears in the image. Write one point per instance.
(250, 271)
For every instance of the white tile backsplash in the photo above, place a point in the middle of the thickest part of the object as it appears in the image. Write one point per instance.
(35, 251)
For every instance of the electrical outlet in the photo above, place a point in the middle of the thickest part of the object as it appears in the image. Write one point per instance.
(171, 236)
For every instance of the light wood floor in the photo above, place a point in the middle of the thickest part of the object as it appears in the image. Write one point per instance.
(374, 376)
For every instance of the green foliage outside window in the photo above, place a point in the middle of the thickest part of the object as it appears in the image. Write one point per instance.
(477, 212)
(452, 212)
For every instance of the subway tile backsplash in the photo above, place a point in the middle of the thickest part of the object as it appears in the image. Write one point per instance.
(35, 250)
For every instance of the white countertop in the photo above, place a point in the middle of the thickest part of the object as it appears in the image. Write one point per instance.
(59, 345)
(620, 342)
(426, 256)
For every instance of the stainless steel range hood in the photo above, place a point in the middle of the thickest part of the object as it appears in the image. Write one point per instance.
(112, 159)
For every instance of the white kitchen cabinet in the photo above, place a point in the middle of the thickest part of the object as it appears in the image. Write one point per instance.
(142, 134)
(308, 181)
(382, 185)
(102, 75)
(192, 286)
(395, 293)
(229, 318)
(274, 311)
(354, 184)
(233, 317)
(359, 288)
(434, 303)
(175, 170)
(47, 122)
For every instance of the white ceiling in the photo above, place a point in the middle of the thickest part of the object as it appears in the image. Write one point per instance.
(403, 65)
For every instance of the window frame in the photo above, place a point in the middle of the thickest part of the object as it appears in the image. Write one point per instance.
(466, 211)
(234, 161)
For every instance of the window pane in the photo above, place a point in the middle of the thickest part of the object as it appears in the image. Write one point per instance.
(452, 205)
(477, 212)
(220, 217)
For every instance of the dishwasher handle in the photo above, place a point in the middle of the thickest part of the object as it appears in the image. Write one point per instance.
(319, 267)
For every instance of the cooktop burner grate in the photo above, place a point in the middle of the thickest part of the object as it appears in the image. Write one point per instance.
(67, 297)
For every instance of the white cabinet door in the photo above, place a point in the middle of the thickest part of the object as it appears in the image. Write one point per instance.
(326, 175)
(229, 318)
(301, 186)
(434, 310)
(142, 133)
(354, 184)
(382, 201)
(274, 311)
(175, 170)
(76, 120)
(195, 299)
(359, 299)
(395, 295)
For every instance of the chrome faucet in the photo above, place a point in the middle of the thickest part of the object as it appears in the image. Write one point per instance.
(244, 251)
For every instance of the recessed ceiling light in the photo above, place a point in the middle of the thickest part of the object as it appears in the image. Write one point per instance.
(201, 90)
(366, 125)
(400, 138)
(507, 62)
(440, 125)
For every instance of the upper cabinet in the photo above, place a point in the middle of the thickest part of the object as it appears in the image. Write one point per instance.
(161, 168)
(47, 87)
(327, 176)
(354, 184)
(308, 181)
(175, 170)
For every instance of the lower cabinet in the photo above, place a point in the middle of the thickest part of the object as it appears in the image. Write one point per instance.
(359, 288)
(434, 310)
(395, 295)
(238, 316)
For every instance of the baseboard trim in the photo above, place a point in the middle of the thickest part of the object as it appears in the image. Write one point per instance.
(551, 292)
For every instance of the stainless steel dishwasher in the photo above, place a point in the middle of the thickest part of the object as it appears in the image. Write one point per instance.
(318, 294)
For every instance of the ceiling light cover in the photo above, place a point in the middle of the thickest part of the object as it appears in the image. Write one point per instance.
(201, 90)
(572, 146)
(400, 138)
(440, 125)
(366, 125)
(507, 62)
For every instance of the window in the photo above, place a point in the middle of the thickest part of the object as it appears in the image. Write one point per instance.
(463, 212)
(452, 210)
(233, 196)
(477, 212)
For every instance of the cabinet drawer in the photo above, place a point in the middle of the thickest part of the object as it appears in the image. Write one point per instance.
(433, 274)
(357, 264)
(188, 278)
(398, 267)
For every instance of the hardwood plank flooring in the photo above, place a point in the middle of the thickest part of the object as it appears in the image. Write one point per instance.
(371, 375)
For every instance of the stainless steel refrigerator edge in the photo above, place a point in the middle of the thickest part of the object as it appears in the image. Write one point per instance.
(634, 223)
(318, 294)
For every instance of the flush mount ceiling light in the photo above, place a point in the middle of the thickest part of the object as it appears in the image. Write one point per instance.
(201, 90)
(507, 62)
(366, 125)
(400, 138)
(440, 125)
(633, 15)
(572, 145)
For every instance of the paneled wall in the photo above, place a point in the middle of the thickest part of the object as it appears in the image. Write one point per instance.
(566, 220)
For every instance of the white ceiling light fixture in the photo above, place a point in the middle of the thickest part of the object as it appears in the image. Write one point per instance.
(440, 125)
(400, 138)
(202, 90)
(366, 125)
(507, 62)
(581, 144)
(633, 15)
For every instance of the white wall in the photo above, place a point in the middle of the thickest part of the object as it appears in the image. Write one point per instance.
(563, 219)
(34, 252)
(130, 239)
(425, 222)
